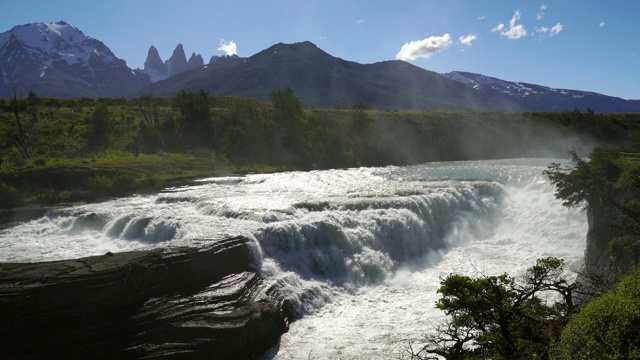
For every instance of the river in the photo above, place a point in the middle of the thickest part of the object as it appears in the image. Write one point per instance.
(358, 252)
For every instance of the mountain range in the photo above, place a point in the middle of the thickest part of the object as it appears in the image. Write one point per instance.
(58, 60)
(177, 63)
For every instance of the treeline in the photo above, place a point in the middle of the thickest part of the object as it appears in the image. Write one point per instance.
(281, 133)
(45, 143)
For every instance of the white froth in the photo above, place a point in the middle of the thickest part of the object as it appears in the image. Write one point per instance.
(358, 252)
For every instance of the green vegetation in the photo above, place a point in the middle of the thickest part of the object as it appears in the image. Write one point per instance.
(607, 327)
(608, 186)
(595, 317)
(503, 317)
(500, 317)
(51, 149)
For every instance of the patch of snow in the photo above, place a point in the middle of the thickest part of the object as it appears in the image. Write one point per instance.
(56, 28)
(459, 78)
(578, 96)
(155, 76)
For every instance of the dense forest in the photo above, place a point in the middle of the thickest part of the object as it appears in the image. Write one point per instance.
(54, 150)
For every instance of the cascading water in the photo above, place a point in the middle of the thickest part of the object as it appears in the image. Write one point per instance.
(357, 252)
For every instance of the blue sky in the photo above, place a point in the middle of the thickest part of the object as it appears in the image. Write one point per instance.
(591, 45)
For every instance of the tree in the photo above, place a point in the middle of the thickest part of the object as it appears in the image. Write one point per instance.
(101, 127)
(195, 117)
(499, 317)
(25, 115)
(148, 106)
(604, 186)
(287, 120)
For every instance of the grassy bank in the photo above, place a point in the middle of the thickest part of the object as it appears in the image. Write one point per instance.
(49, 181)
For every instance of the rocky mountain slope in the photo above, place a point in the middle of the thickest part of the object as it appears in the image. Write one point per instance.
(531, 97)
(322, 80)
(58, 60)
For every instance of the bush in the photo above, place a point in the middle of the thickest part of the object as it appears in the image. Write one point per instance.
(150, 183)
(124, 182)
(10, 197)
(101, 186)
(607, 328)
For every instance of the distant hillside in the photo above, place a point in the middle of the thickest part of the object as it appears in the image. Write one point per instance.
(531, 97)
(321, 80)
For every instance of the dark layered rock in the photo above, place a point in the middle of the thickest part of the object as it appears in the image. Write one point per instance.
(204, 301)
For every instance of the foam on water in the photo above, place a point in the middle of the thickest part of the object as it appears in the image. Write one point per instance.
(358, 252)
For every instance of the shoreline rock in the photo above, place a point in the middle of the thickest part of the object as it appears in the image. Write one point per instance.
(190, 302)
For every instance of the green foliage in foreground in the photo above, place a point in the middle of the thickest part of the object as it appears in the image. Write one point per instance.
(500, 317)
(504, 317)
(607, 327)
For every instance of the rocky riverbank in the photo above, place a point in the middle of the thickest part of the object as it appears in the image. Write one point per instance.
(185, 302)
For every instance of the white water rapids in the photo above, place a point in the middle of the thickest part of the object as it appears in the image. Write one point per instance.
(359, 252)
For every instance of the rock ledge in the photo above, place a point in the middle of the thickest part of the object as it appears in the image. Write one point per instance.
(179, 302)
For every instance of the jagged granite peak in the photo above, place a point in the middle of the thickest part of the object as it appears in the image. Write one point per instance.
(154, 62)
(178, 61)
(195, 61)
(59, 60)
(154, 67)
(215, 58)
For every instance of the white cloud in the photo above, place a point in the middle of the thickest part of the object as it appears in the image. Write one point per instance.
(228, 48)
(542, 30)
(467, 40)
(555, 30)
(423, 48)
(540, 15)
(602, 23)
(359, 21)
(515, 31)
(480, 17)
(498, 28)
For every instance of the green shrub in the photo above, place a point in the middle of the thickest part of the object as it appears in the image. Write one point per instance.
(150, 183)
(124, 183)
(607, 328)
(101, 186)
(71, 195)
(40, 161)
(10, 197)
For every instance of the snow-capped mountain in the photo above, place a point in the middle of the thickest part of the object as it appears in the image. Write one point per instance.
(58, 60)
(531, 97)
